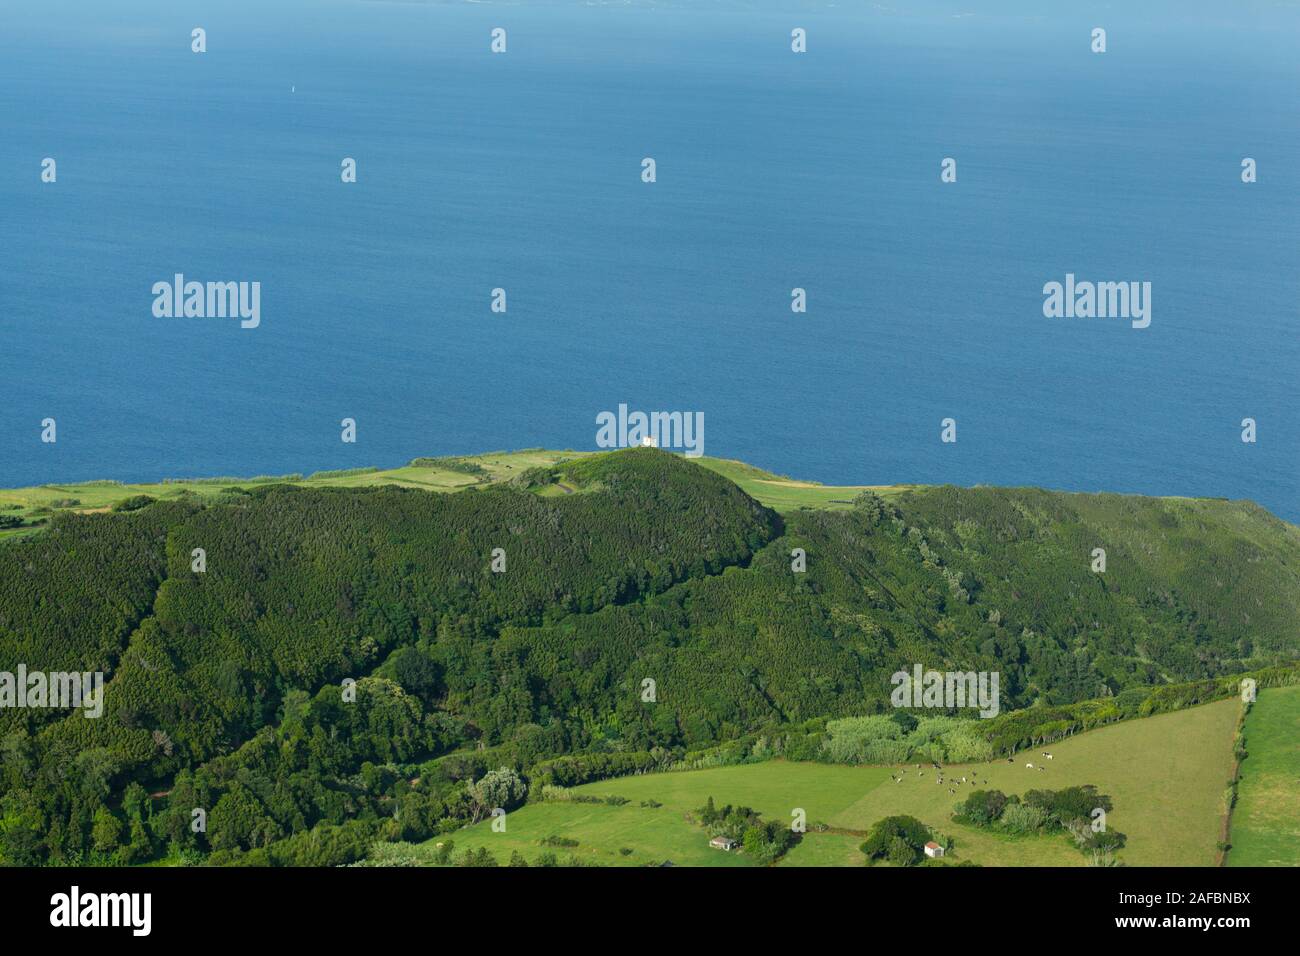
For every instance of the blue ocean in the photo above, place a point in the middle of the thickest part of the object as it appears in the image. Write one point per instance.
(775, 170)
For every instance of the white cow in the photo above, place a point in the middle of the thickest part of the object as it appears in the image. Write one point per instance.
(1030, 766)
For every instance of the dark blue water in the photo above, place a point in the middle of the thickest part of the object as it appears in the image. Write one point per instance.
(775, 170)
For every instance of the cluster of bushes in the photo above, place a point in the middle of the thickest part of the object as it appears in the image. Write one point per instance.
(476, 858)
(901, 840)
(459, 465)
(134, 503)
(1077, 811)
(560, 841)
(445, 855)
(325, 845)
(577, 769)
(763, 841)
(900, 737)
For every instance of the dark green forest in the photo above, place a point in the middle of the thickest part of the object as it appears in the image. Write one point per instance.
(357, 664)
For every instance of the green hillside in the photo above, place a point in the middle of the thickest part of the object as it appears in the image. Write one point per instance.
(226, 687)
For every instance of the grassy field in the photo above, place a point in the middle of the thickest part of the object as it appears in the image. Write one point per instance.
(35, 503)
(1266, 821)
(774, 789)
(788, 494)
(1166, 775)
(653, 834)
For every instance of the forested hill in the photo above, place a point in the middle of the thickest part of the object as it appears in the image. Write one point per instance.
(227, 687)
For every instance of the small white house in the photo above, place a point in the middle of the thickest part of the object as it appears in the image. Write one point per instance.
(933, 849)
(723, 843)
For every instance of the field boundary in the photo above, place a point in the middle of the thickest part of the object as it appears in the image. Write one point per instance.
(1230, 794)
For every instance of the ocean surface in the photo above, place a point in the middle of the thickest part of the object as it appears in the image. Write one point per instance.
(775, 170)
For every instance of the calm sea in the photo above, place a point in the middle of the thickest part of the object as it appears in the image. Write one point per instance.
(775, 170)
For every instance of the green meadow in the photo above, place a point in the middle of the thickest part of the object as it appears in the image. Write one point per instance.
(37, 503)
(1166, 775)
(659, 833)
(1266, 820)
(788, 494)
(653, 834)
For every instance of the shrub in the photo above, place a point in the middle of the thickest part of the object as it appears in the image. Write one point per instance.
(134, 503)
(983, 807)
(1023, 818)
(902, 853)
